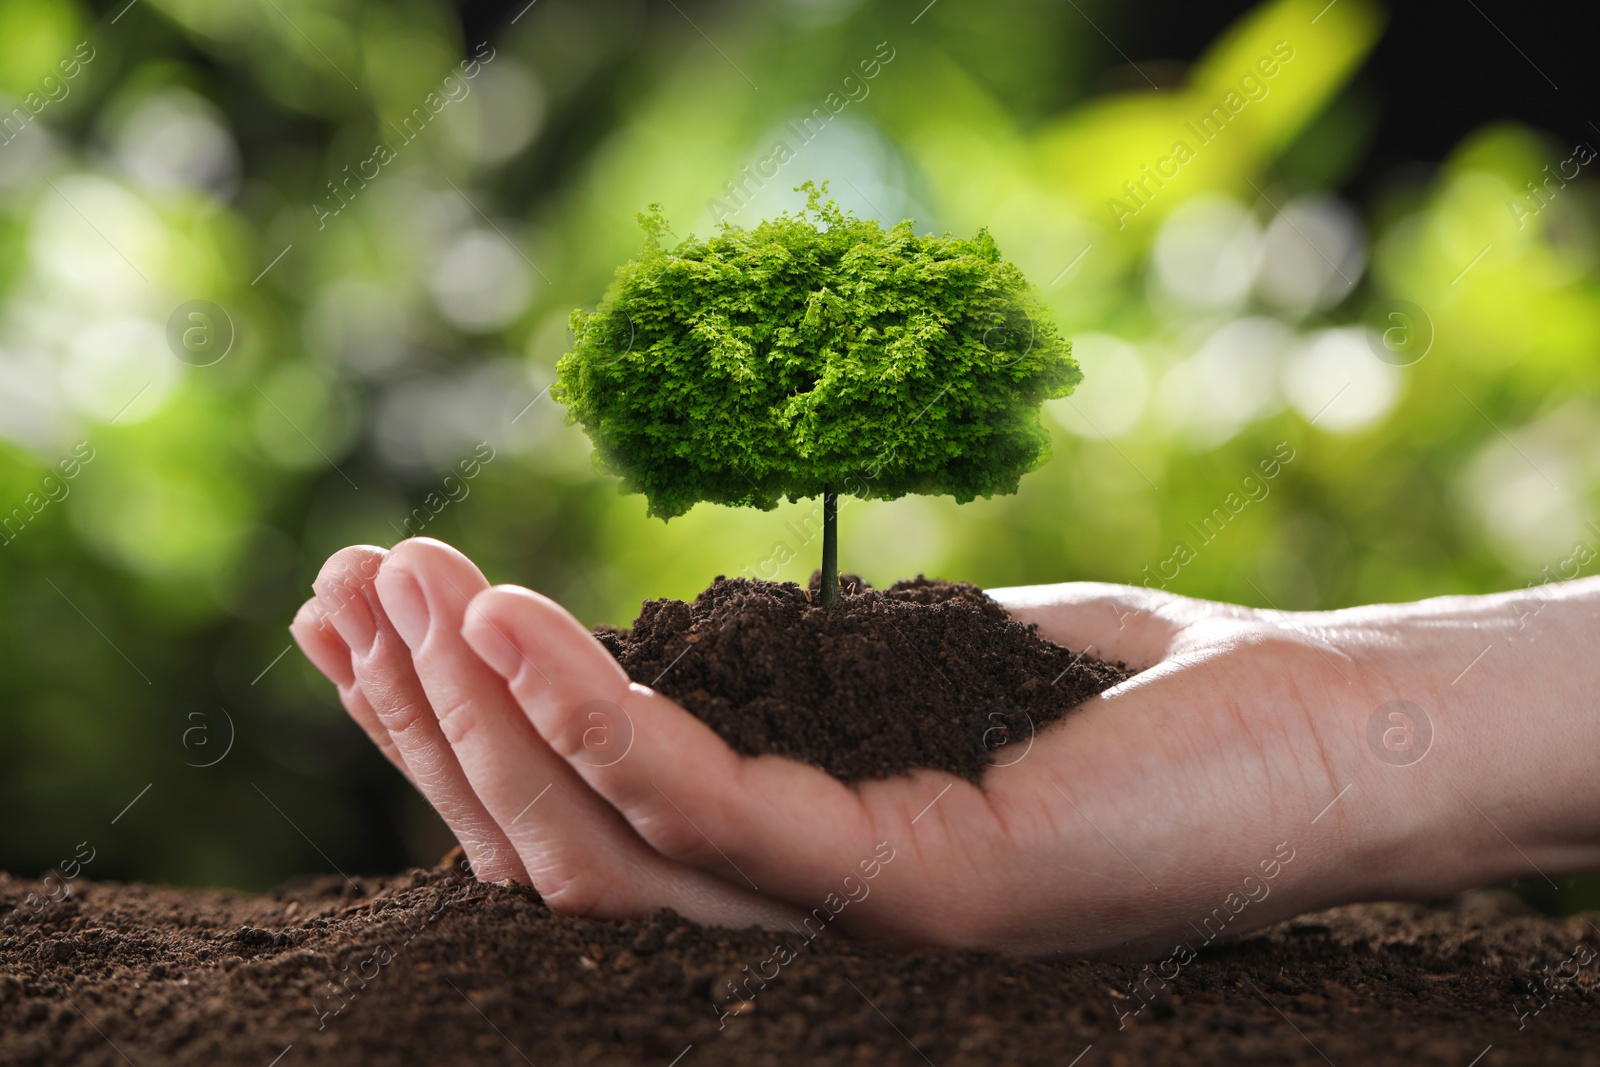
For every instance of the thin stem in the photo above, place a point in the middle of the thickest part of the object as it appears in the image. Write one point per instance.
(830, 548)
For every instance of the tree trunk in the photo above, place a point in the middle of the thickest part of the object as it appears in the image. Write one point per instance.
(830, 548)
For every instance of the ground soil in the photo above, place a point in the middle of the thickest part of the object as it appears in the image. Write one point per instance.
(922, 674)
(430, 967)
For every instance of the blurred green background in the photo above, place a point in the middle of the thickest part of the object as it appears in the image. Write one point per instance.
(1418, 326)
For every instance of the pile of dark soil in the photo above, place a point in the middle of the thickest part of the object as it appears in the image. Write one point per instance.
(432, 968)
(922, 674)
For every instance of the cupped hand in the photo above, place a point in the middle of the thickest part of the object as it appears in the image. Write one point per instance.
(1203, 782)
(385, 627)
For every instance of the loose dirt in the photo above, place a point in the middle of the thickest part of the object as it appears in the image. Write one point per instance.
(922, 674)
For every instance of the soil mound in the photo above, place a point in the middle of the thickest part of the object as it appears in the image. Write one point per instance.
(922, 674)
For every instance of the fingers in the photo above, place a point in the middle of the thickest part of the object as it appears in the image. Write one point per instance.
(1112, 622)
(579, 852)
(773, 825)
(327, 652)
(382, 667)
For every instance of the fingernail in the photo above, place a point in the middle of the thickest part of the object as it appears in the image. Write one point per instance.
(350, 614)
(311, 614)
(492, 646)
(403, 600)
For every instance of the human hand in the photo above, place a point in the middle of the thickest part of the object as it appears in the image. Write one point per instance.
(1228, 785)
(385, 627)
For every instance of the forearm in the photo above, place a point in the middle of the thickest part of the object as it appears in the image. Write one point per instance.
(1509, 685)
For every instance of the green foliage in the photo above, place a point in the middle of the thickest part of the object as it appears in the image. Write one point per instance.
(817, 351)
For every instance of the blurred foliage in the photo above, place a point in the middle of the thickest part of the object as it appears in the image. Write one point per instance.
(391, 225)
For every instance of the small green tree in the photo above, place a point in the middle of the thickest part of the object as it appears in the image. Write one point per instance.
(815, 353)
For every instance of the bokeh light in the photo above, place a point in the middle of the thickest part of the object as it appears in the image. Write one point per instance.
(394, 311)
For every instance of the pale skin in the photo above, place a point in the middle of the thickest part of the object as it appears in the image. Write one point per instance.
(1244, 739)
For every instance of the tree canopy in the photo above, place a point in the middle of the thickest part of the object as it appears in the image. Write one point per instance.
(816, 352)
